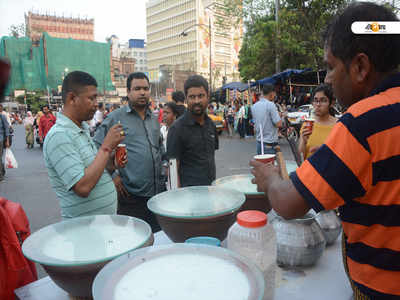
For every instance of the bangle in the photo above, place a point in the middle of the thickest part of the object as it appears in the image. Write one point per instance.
(106, 149)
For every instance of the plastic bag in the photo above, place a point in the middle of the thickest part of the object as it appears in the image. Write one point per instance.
(11, 162)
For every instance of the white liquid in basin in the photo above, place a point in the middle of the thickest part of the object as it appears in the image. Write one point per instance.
(187, 276)
(92, 242)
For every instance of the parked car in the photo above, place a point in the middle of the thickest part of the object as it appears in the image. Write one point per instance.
(297, 117)
(218, 121)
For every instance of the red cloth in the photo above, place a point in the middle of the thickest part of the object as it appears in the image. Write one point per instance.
(46, 122)
(160, 115)
(15, 269)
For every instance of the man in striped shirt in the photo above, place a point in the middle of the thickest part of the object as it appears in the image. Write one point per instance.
(76, 169)
(358, 168)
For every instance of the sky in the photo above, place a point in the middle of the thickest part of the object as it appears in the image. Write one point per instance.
(124, 18)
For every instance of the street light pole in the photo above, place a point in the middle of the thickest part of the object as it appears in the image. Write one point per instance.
(209, 33)
(277, 59)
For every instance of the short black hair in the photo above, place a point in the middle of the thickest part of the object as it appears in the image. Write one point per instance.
(178, 96)
(75, 81)
(173, 107)
(45, 105)
(100, 105)
(326, 89)
(383, 50)
(195, 81)
(267, 88)
(136, 75)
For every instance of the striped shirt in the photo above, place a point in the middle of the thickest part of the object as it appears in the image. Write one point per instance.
(358, 170)
(68, 151)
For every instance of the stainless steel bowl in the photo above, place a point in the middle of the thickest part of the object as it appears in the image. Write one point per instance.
(330, 225)
(300, 242)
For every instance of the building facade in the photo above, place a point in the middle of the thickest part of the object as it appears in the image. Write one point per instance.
(136, 49)
(122, 64)
(178, 36)
(60, 27)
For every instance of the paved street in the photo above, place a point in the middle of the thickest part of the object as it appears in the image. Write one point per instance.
(29, 184)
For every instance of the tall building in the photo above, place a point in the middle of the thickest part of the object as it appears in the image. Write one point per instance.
(60, 27)
(179, 36)
(137, 50)
(122, 63)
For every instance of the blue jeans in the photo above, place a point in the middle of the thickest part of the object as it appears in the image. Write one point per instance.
(267, 149)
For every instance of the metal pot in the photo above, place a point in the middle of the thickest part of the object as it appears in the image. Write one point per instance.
(330, 225)
(300, 242)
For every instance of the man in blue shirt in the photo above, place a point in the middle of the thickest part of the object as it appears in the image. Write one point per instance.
(142, 178)
(267, 120)
(76, 168)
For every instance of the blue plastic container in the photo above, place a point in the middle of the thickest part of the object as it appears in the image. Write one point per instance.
(205, 240)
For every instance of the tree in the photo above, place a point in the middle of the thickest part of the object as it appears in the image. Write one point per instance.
(301, 23)
(17, 31)
(34, 101)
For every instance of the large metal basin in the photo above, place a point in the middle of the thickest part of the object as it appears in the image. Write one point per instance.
(73, 251)
(180, 271)
(196, 211)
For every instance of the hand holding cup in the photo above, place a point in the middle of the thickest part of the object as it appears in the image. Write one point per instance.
(114, 136)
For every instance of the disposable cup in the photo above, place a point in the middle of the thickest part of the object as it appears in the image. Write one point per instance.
(265, 158)
(309, 123)
(120, 153)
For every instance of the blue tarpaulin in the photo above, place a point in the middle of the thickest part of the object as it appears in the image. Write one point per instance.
(282, 76)
(236, 86)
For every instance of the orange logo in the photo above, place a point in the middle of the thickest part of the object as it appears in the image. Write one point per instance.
(375, 27)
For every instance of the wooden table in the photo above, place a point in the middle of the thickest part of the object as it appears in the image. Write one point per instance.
(326, 280)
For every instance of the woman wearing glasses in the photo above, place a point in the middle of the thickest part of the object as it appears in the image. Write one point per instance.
(312, 138)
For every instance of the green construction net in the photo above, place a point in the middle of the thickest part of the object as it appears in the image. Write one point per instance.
(76, 55)
(43, 65)
(27, 64)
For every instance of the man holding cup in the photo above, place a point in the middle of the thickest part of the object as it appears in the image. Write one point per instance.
(76, 168)
(142, 178)
(357, 169)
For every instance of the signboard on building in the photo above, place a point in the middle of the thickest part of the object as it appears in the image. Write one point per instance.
(154, 76)
(169, 92)
(18, 93)
(122, 92)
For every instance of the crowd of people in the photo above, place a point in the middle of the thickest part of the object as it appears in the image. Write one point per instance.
(351, 164)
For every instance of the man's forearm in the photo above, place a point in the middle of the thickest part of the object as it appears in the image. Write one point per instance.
(285, 199)
(110, 166)
(92, 173)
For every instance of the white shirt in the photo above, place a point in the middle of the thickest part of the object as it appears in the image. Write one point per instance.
(164, 134)
(7, 115)
(98, 117)
(241, 113)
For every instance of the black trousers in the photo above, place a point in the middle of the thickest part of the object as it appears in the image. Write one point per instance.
(136, 206)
